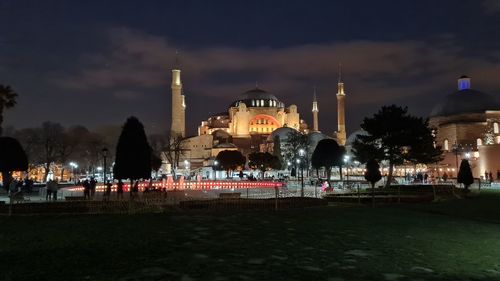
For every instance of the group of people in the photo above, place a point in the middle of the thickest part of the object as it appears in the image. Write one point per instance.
(51, 190)
(89, 188)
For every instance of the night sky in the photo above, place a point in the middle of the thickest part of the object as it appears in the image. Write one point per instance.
(97, 62)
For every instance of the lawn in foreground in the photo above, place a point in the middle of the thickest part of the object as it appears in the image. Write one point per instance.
(409, 242)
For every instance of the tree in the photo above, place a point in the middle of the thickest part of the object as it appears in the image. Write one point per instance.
(294, 143)
(372, 175)
(277, 151)
(172, 149)
(263, 161)
(12, 158)
(133, 153)
(51, 137)
(391, 132)
(230, 160)
(327, 154)
(465, 174)
(7, 100)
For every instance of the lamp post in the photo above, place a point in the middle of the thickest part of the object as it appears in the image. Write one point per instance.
(301, 164)
(73, 167)
(216, 163)
(346, 161)
(186, 166)
(104, 156)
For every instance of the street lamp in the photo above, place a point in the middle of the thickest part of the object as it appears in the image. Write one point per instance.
(186, 166)
(346, 161)
(216, 163)
(104, 156)
(301, 154)
(73, 167)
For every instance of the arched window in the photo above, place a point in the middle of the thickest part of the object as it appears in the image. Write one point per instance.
(445, 145)
(479, 142)
(253, 102)
(495, 128)
(261, 102)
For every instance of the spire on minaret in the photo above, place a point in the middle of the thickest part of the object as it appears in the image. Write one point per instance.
(177, 62)
(315, 101)
(315, 111)
(340, 83)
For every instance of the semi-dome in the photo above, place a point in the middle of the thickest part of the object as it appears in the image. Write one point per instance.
(258, 98)
(465, 100)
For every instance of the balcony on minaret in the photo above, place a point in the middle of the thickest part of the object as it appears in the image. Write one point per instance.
(176, 77)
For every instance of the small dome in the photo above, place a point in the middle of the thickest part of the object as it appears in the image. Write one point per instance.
(465, 101)
(226, 145)
(315, 137)
(282, 133)
(258, 98)
(352, 137)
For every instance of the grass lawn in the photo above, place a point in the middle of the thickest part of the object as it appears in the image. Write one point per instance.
(456, 240)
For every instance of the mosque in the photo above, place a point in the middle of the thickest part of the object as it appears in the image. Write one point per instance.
(467, 123)
(249, 124)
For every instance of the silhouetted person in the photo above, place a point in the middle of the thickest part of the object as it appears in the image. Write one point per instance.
(86, 189)
(490, 176)
(55, 188)
(93, 184)
(48, 190)
(107, 193)
(135, 189)
(119, 189)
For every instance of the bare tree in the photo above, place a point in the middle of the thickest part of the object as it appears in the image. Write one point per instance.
(173, 150)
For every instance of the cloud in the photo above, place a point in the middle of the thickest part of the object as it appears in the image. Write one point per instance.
(136, 67)
(387, 69)
(491, 6)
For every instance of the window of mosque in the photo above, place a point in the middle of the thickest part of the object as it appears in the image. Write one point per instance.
(262, 102)
(445, 145)
(479, 142)
(495, 128)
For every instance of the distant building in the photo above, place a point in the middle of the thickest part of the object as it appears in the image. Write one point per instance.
(248, 125)
(467, 123)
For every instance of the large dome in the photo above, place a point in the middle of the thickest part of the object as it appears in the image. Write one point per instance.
(465, 100)
(258, 98)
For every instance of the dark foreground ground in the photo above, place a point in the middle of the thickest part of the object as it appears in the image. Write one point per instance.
(454, 240)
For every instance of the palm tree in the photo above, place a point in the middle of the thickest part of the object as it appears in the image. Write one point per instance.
(7, 100)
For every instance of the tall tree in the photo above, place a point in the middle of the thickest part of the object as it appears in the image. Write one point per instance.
(51, 136)
(263, 161)
(133, 153)
(328, 154)
(230, 160)
(7, 100)
(373, 175)
(391, 132)
(12, 158)
(465, 174)
(295, 141)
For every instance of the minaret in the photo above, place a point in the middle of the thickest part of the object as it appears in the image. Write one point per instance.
(315, 111)
(341, 133)
(178, 127)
